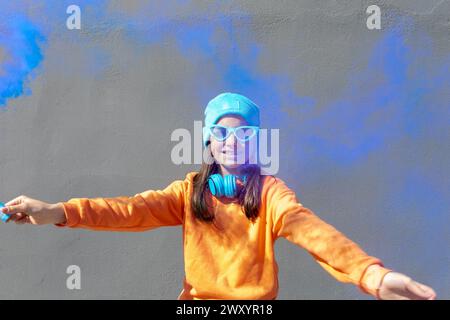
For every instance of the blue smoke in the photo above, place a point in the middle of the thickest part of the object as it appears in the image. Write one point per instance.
(20, 42)
(392, 99)
(220, 44)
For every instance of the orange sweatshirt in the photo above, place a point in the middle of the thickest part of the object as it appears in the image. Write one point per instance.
(235, 259)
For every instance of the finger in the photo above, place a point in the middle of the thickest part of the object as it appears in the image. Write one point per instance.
(24, 220)
(17, 216)
(31, 220)
(414, 288)
(15, 201)
(15, 208)
(427, 289)
(20, 220)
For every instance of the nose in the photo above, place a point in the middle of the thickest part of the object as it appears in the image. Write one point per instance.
(230, 143)
(231, 140)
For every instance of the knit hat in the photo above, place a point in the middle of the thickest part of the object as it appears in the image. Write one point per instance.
(229, 103)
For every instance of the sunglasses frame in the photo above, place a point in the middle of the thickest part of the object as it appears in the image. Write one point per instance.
(232, 130)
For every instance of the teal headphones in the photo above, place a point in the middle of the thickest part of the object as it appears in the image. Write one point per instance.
(224, 186)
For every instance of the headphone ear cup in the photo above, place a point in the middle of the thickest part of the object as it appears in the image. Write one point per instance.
(224, 186)
(216, 185)
(230, 185)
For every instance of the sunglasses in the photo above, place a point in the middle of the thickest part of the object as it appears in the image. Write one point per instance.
(242, 133)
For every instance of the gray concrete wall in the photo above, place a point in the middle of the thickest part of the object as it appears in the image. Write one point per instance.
(363, 118)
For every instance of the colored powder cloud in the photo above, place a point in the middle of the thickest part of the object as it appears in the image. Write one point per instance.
(223, 39)
(391, 99)
(223, 42)
(20, 42)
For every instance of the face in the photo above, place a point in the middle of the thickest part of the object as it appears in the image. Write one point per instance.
(231, 154)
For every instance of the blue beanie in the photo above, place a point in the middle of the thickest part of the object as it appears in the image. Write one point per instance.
(229, 103)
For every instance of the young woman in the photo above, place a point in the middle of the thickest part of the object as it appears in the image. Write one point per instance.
(231, 216)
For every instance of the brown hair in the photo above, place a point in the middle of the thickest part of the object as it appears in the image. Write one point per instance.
(249, 197)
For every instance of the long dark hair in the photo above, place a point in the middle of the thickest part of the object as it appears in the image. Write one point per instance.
(249, 197)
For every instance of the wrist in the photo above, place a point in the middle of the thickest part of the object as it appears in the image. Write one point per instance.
(381, 285)
(58, 214)
(373, 279)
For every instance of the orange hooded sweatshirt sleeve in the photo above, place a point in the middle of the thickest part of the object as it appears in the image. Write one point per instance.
(144, 211)
(331, 249)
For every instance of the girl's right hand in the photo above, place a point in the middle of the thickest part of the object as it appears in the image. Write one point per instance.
(24, 209)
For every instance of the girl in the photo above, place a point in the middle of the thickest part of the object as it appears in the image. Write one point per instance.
(231, 216)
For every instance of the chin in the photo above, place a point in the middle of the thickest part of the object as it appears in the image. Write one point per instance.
(232, 165)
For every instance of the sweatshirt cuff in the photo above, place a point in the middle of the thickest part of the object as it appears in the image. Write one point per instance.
(372, 278)
(72, 215)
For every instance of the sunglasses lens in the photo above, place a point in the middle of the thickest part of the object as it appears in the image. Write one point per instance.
(219, 133)
(245, 134)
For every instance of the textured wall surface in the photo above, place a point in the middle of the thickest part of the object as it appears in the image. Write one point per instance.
(363, 118)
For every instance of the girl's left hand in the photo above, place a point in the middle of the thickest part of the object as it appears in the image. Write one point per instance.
(397, 286)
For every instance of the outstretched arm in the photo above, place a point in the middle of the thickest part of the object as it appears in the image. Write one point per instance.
(144, 211)
(337, 254)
